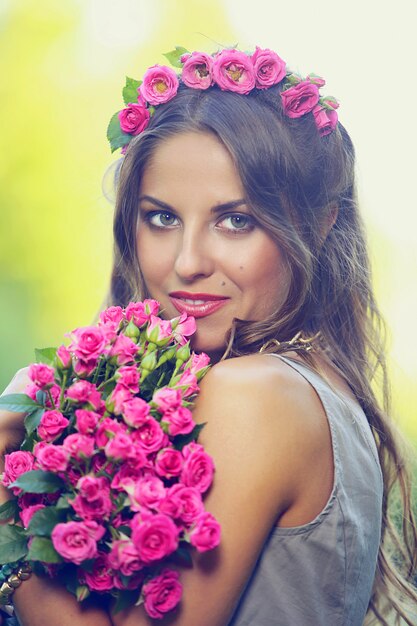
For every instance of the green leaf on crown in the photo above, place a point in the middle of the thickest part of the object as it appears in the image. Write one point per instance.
(38, 481)
(42, 549)
(130, 90)
(33, 419)
(45, 355)
(13, 543)
(174, 57)
(44, 521)
(8, 509)
(18, 403)
(117, 138)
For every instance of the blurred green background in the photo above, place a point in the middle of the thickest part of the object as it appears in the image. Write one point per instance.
(62, 68)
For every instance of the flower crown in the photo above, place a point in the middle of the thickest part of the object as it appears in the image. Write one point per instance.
(230, 70)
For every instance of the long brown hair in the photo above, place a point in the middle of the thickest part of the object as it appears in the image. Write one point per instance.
(295, 182)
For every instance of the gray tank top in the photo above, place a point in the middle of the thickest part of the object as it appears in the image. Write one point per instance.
(321, 573)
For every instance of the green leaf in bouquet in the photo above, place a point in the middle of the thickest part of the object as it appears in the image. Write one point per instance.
(88, 565)
(44, 521)
(130, 90)
(33, 419)
(8, 509)
(45, 355)
(62, 502)
(182, 440)
(82, 592)
(125, 598)
(29, 442)
(13, 543)
(182, 555)
(38, 481)
(18, 403)
(42, 549)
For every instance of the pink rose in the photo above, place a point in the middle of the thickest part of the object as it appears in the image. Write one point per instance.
(134, 118)
(188, 382)
(86, 421)
(119, 448)
(83, 368)
(147, 492)
(84, 392)
(233, 71)
(112, 316)
(160, 84)
(162, 593)
(123, 350)
(27, 514)
(128, 376)
(198, 467)
(42, 375)
(183, 327)
(300, 99)
(154, 537)
(100, 578)
(197, 71)
(97, 509)
(188, 503)
(52, 458)
(135, 311)
(269, 68)
(149, 435)
(167, 398)
(79, 446)
(88, 342)
(180, 421)
(124, 557)
(105, 430)
(52, 424)
(63, 357)
(91, 487)
(74, 542)
(115, 402)
(198, 364)
(125, 477)
(205, 535)
(326, 119)
(158, 331)
(135, 412)
(169, 462)
(16, 464)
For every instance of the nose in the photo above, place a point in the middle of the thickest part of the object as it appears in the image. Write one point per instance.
(194, 259)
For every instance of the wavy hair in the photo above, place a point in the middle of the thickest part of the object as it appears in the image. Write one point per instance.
(295, 183)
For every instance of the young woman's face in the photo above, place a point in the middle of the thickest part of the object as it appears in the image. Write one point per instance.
(199, 247)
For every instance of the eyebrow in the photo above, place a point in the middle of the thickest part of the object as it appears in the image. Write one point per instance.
(218, 208)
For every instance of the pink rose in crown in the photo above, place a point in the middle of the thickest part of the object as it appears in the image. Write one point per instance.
(269, 68)
(134, 118)
(326, 119)
(74, 541)
(300, 99)
(233, 71)
(160, 84)
(162, 593)
(87, 343)
(197, 70)
(205, 535)
(42, 375)
(52, 424)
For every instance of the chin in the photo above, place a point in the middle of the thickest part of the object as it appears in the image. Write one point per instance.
(213, 346)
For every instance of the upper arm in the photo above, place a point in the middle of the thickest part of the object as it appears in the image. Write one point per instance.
(251, 432)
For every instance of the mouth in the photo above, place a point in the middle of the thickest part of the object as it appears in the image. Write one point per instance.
(197, 304)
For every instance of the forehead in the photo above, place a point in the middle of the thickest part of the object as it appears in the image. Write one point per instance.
(194, 164)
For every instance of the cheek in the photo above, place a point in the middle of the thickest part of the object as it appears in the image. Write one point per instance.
(267, 277)
(153, 259)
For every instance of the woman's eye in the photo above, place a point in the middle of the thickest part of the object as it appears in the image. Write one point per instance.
(161, 219)
(237, 222)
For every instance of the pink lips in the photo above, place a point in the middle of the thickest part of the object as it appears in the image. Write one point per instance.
(197, 304)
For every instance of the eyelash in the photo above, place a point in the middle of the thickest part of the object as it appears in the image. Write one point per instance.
(250, 225)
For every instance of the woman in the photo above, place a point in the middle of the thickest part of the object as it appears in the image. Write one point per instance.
(236, 203)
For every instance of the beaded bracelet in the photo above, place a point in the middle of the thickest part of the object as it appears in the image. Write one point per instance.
(11, 577)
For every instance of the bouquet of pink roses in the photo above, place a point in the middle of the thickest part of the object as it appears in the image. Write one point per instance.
(108, 482)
